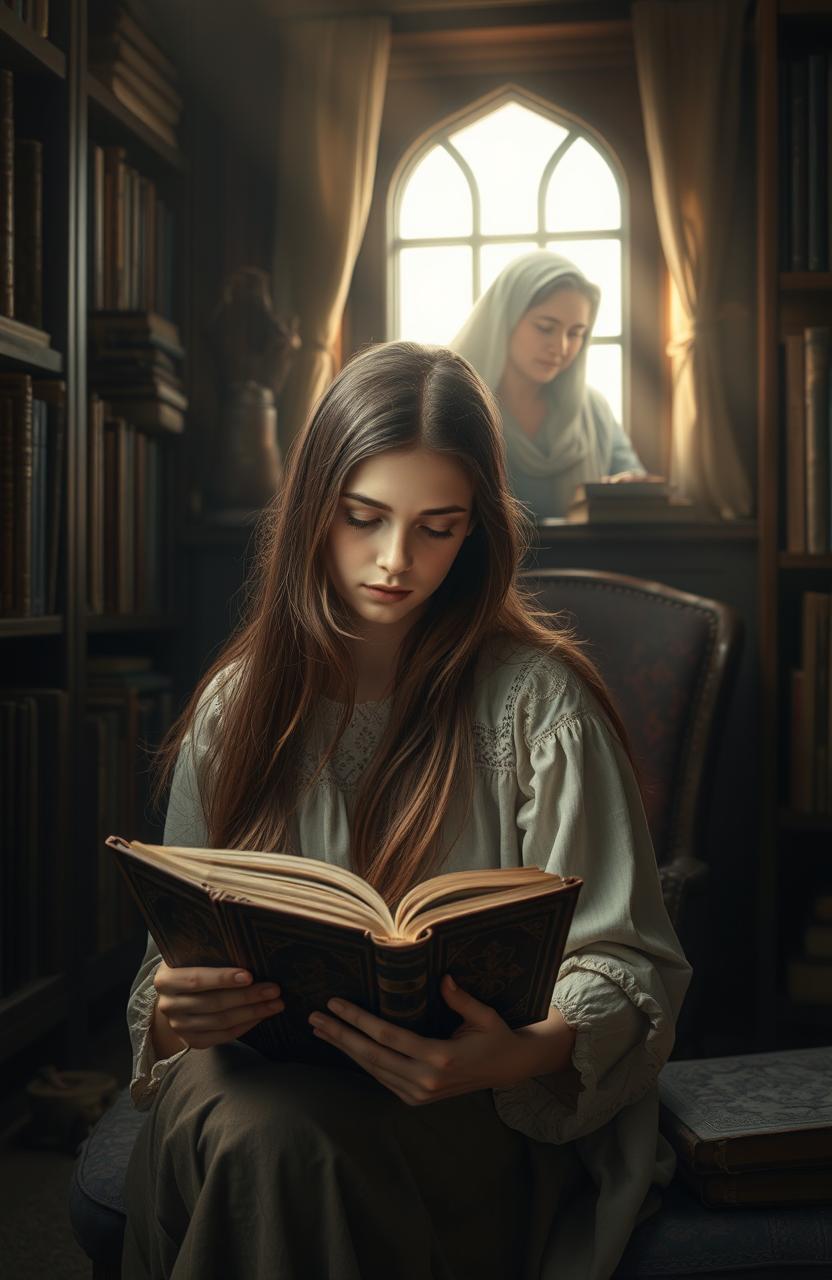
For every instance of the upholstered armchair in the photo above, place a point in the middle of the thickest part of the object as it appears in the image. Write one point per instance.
(668, 658)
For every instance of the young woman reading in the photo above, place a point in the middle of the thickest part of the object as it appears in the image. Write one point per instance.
(393, 704)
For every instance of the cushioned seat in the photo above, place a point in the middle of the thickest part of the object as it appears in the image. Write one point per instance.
(96, 1193)
(682, 1239)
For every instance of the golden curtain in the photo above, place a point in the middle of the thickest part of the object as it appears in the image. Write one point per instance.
(334, 75)
(688, 56)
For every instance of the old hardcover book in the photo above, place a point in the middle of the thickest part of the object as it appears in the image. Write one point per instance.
(795, 443)
(817, 438)
(759, 1111)
(18, 387)
(320, 930)
(28, 232)
(6, 193)
(760, 1187)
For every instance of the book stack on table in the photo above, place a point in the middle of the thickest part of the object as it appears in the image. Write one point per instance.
(631, 502)
(754, 1130)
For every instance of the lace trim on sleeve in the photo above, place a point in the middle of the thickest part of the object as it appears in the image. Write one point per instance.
(609, 1081)
(148, 1071)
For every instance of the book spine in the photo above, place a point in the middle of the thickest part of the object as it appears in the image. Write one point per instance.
(818, 161)
(798, 128)
(402, 979)
(810, 656)
(817, 438)
(98, 247)
(24, 459)
(7, 517)
(795, 443)
(28, 232)
(6, 193)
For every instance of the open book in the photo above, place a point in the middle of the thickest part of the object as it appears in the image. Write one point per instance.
(320, 931)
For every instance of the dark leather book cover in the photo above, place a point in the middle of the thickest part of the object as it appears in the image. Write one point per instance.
(818, 162)
(759, 1111)
(18, 387)
(798, 166)
(7, 193)
(6, 506)
(53, 393)
(506, 955)
(28, 231)
(762, 1188)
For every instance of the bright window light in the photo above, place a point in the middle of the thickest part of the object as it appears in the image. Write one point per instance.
(482, 192)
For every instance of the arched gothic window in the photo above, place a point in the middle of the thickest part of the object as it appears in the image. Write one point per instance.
(509, 176)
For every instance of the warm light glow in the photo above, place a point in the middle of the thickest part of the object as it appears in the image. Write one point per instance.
(436, 200)
(434, 292)
(507, 151)
(604, 372)
(582, 194)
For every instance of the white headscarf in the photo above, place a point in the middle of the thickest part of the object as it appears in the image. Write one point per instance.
(567, 437)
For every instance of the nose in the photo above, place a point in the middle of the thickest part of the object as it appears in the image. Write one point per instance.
(561, 344)
(394, 556)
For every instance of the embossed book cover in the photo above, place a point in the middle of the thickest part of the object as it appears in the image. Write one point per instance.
(752, 1129)
(321, 931)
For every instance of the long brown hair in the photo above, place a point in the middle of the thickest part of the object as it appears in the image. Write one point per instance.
(293, 637)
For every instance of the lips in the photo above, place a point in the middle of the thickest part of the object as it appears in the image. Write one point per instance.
(386, 594)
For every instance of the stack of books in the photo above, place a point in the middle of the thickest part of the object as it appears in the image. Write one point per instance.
(136, 364)
(133, 238)
(804, 106)
(128, 711)
(35, 13)
(33, 757)
(811, 710)
(21, 229)
(752, 1130)
(32, 465)
(124, 58)
(635, 501)
(810, 974)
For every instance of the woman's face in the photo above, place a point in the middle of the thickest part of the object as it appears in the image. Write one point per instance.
(549, 336)
(400, 522)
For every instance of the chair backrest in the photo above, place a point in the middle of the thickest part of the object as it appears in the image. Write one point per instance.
(668, 659)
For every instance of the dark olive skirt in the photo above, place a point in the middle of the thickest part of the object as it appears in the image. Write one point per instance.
(250, 1168)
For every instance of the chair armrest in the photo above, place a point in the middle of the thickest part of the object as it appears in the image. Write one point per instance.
(682, 878)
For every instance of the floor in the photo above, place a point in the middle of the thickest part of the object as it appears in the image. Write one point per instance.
(36, 1240)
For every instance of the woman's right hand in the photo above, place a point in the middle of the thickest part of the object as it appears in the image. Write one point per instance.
(204, 1007)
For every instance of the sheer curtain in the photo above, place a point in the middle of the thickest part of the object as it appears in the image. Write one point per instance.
(688, 55)
(334, 75)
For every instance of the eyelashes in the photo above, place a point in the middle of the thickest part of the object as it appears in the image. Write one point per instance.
(355, 523)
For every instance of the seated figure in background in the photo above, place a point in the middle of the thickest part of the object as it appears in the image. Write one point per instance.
(527, 338)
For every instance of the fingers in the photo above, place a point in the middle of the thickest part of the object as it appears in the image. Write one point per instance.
(202, 979)
(208, 1006)
(383, 1033)
(473, 1011)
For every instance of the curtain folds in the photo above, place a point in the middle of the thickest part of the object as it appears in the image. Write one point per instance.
(688, 57)
(334, 75)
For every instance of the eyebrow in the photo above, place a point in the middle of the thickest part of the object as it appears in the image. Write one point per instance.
(382, 506)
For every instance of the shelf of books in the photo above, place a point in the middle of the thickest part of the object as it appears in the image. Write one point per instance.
(795, 350)
(89, 633)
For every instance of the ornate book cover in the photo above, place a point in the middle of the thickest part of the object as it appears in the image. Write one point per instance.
(506, 954)
(759, 1111)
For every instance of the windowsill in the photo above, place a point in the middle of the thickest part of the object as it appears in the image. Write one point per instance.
(552, 532)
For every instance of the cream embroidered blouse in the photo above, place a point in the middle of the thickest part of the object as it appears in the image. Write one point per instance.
(553, 788)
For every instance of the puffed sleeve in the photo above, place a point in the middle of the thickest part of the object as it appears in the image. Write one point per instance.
(624, 975)
(185, 826)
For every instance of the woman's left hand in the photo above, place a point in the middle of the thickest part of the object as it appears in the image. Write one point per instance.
(483, 1053)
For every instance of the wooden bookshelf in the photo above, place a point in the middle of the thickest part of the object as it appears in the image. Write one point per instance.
(73, 970)
(787, 302)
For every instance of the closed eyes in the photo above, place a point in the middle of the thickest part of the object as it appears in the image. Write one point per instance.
(355, 523)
